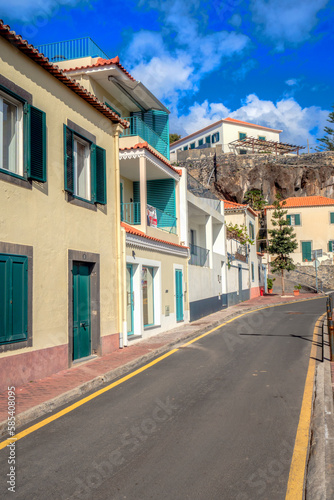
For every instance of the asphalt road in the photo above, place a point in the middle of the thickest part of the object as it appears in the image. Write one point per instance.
(215, 420)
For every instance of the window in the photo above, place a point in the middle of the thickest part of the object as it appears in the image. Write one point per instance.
(185, 148)
(259, 269)
(148, 295)
(215, 137)
(22, 137)
(208, 139)
(242, 135)
(243, 151)
(85, 168)
(193, 248)
(251, 231)
(200, 142)
(331, 246)
(13, 298)
(192, 145)
(262, 138)
(293, 219)
(332, 217)
(253, 274)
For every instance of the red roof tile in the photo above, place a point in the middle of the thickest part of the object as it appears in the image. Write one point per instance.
(32, 53)
(306, 201)
(144, 145)
(100, 63)
(131, 230)
(232, 205)
(233, 120)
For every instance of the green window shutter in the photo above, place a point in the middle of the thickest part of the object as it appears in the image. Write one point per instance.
(136, 192)
(307, 251)
(68, 160)
(332, 217)
(4, 298)
(288, 218)
(36, 167)
(101, 182)
(330, 246)
(297, 220)
(253, 277)
(13, 298)
(161, 195)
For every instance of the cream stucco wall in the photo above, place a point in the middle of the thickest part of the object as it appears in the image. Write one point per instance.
(230, 132)
(43, 218)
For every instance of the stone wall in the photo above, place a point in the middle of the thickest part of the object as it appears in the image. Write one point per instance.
(230, 175)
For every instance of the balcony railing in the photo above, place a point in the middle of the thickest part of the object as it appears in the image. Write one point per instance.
(71, 49)
(138, 127)
(130, 213)
(199, 256)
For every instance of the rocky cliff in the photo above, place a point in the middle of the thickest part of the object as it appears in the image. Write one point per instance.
(231, 175)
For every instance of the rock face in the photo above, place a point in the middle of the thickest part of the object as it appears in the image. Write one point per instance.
(231, 176)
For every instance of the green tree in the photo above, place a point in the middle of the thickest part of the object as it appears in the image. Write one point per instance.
(327, 142)
(282, 240)
(255, 199)
(174, 138)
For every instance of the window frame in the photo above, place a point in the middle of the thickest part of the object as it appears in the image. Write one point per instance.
(215, 138)
(79, 139)
(330, 217)
(153, 270)
(294, 219)
(261, 137)
(208, 139)
(192, 145)
(200, 142)
(19, 132)
(244, 134)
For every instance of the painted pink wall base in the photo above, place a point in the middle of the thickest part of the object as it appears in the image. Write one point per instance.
(109, 344)
(254, 292)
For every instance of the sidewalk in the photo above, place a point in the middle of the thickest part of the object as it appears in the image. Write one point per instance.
(40, 397)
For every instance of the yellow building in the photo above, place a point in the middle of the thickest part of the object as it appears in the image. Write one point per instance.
(60, 239)
(312, 218)
(155, 259)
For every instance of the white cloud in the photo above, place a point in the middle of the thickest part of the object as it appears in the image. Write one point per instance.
(27, 10)
(286, 22)
(292, 82)
(298, 124)
(173, 62)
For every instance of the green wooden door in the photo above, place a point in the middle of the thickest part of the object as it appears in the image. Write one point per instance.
(307, 251)
(81, 311)
(179, 295)
(129, 299)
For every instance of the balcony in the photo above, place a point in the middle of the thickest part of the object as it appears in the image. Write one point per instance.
(130, 213)
(141, 129)
(71, 49)
(199, 256)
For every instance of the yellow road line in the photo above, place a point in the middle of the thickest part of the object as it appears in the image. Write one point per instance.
(295, 488)
(72, 407)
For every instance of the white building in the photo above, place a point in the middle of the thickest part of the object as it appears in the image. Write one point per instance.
(223, 133)
(245, 269)
(202, 229)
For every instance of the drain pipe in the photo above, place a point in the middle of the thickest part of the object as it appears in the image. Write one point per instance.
(124, 318)
(118, 129)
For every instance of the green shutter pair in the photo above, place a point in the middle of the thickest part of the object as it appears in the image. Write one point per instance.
(13, 298)
(297, 219)
(330, 246)
(97, 166)
(34, 133)
(332, 217)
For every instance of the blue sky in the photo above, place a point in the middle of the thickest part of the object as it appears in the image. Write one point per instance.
(265, 61)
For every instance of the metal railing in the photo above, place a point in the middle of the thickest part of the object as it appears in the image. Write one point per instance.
(199, 256)
(71, 49)
(197, 189)
(330, 326)
(138, 127)
(130, 213)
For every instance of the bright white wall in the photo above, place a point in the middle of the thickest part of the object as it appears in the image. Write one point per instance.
(231, 133)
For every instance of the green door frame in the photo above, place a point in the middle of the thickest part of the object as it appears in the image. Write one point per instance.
(306, 251)
(131, 298)
(179, 294)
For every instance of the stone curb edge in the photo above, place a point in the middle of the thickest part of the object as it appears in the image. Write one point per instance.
(51, 405)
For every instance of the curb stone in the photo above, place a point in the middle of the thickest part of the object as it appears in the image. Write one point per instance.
(49, 406)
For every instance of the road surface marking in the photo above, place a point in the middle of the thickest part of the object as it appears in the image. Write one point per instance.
(72, 407)
(296, 479)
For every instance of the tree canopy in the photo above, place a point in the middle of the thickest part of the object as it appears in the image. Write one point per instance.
(255, 199)
(327, 142)
(174, 138)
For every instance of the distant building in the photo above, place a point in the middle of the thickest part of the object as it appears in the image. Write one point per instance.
(312, 218)
(223, 133)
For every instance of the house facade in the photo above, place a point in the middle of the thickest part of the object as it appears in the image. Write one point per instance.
(60, 238)
(223, 133)
(312, 219)
(246, 272)
(203, 231)
(155, 259)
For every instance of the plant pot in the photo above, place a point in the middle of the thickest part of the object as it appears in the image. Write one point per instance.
(270, 290)
(296, 292)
